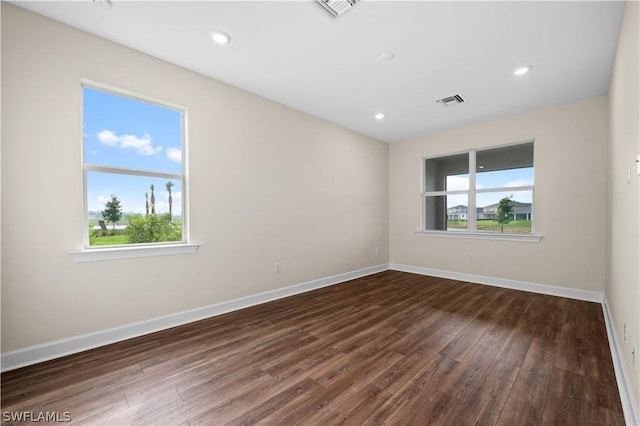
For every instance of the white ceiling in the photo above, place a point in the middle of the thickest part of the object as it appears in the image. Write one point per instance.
(293, 53)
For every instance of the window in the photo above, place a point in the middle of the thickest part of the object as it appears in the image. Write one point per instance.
(133, 164)
(480, 192)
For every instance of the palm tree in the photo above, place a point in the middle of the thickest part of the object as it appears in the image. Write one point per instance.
(153, 201)
(169, 185)
(146, 202)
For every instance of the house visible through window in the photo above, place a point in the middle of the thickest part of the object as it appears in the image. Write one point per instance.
(133, 169)
(480, 191)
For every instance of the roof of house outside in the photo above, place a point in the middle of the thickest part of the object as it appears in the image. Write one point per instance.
(518, 208)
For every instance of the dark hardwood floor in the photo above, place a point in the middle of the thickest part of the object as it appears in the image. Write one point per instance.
(391, 348)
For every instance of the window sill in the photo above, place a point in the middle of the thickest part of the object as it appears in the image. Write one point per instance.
(121, 252)
(528, 238)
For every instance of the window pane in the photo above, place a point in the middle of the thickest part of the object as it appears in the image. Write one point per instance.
(446, 212)
(133, 193)
(129, 133)
(505, 178)
(509, 166)
(449, 173)
(506, 212)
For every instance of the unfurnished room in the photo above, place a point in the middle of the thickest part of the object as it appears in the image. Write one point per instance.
(320, 212)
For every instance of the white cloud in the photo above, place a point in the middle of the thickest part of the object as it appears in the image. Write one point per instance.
(520, 182)
(143, 145)
(174, 154)
(457, 183)
(103, 199)
(107, 137)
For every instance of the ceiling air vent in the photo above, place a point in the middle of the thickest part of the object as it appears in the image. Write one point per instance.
(452, 100)
(337, 7)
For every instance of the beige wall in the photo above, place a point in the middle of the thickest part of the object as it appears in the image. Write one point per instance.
(623, 244)
(0, 173)
(570, 194)
(268, 184)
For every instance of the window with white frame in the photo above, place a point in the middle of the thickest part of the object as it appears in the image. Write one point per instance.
(133, 166)
(484, 191)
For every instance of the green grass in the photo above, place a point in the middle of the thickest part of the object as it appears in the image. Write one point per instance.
(513, 227)
(170, 231)
(457, 224)
(98, 237)
(109, 240)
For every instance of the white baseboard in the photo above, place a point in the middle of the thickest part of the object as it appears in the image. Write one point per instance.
(629, 405)
(571, 293)
(48, 351)
(60, 348)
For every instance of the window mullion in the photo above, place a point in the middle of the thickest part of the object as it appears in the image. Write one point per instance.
(127, 171)
(505, 189)
(144, 186)
(492, 176)
(444, 193)
(471, 202)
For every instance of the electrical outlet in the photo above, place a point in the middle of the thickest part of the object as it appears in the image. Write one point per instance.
(472, 257)
(277, 268)
(624, 334)
(377, 250)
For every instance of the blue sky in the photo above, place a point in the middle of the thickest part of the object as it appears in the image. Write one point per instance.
(129, 133)
(496, 179)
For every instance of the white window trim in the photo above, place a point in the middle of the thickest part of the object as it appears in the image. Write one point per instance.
(529, 238)
(132, 252)
(130, 172)
(116, 252)
(470, 232)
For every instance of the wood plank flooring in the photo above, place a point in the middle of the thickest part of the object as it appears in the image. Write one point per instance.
(392, 348)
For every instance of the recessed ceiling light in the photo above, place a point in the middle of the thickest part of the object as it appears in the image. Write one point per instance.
(379, 116)
(387, 56)
(220, 37)
(522, 70)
